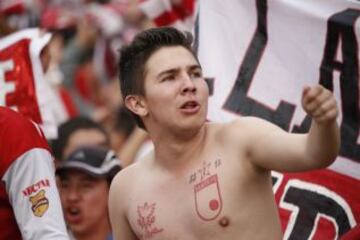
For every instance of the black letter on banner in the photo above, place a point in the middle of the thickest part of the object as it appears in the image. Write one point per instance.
(209, 81)
(310, 204)
(196, 33)
(276, 180)
(238, 101)
(341, 26)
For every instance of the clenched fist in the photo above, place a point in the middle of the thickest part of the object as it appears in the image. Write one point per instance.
(319, 103)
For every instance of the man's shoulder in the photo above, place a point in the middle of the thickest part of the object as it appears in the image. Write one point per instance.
(11, 118)
(123, 186)
(243, 120)
(17, 136)
(239, 124)
(237, 132)
(15, 124)
(16, 129)
(125, 178)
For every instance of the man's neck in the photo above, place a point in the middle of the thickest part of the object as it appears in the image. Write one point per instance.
(177, 151)
(101, 232)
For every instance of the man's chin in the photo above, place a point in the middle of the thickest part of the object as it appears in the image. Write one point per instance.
(78, 229)
(193, 126)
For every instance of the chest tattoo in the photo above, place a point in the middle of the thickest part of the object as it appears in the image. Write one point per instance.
(205, 170)
(146, 220)
(207, 192)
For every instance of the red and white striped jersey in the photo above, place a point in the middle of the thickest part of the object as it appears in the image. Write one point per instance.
(166, 13)
(30, 205)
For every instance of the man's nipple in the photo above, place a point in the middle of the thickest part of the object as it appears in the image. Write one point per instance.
(224, 222)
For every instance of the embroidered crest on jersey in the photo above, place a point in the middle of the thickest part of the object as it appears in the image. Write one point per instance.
(40, 203)
(208, 201)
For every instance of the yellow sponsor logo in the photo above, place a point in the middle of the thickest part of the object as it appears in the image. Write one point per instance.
(40, 203)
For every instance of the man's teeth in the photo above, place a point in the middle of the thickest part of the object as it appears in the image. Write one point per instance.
(74, 210)
(190, 105)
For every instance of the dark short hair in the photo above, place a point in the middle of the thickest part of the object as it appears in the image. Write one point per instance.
(66, 129)
(124, 122)
(133, 57)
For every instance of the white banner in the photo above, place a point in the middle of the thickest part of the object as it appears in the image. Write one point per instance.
(257, 56)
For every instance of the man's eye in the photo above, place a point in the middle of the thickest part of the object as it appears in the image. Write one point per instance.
(196, 74)
(64, 184)
(87, 185)
(168, 78)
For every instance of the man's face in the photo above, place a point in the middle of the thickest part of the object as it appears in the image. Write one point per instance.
(84, 137)
(84, 201)
(175, 92)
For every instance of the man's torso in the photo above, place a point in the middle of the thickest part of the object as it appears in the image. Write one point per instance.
(222, 196)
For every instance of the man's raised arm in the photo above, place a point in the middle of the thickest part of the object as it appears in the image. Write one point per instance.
(272, 148)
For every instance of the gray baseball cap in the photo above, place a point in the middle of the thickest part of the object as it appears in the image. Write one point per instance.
(96, 161)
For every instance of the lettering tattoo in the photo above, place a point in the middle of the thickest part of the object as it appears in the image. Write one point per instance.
(146, 220)
(217, 163)
(192, 178)
(205, 170)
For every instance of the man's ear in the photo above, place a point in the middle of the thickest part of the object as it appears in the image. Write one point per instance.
(136, 104)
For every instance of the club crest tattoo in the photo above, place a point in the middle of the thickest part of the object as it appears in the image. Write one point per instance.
(207, 194)
(146, 220)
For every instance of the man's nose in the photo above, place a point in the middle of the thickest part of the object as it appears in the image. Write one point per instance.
(73, 194)
(188, 84)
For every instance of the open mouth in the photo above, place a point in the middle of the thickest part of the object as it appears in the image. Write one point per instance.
(73, 211)
(73, 214)
(190, 107)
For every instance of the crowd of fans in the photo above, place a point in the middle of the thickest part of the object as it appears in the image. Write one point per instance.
(96, 135)
(80, 66)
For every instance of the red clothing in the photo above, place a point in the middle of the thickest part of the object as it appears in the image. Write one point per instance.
(9, 227)
(28, 193)
(11, 148)
(352, 234)
(164, 13)
(17, 135)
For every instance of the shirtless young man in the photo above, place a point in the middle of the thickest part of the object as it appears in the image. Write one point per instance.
(205, 180)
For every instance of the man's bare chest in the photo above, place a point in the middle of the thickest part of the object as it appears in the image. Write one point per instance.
(199, 200)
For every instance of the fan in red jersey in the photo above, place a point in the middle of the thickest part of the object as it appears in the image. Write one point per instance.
(30, 206)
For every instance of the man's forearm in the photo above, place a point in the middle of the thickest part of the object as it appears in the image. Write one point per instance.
(323, 142)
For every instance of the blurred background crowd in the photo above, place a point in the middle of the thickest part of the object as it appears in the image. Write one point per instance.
(95, 136)
(80, 66)
(80, 60)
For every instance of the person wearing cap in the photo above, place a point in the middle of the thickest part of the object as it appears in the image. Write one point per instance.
(84, 180)
(77, 132)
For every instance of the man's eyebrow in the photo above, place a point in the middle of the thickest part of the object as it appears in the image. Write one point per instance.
(168, 71)
(88, 178)
(195, 67)
(175, 70)
(63, 177)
